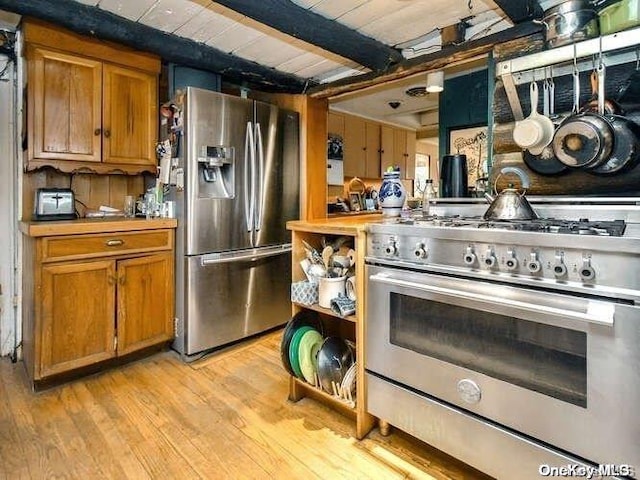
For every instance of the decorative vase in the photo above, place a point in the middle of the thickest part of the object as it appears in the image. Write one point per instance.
(392, 194)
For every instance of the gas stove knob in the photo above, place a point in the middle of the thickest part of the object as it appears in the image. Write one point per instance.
(512, 261)
(421, 251)
(560, 269)
(391, 248)
(587, 272)
(490, 259)
(534, 265)
(469, 257)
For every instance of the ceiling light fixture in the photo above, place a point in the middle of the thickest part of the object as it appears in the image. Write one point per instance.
(435, 81)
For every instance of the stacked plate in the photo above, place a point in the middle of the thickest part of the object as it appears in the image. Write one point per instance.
(328, 363)
(301, 341)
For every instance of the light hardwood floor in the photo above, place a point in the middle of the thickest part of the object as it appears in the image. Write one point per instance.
(223, 417)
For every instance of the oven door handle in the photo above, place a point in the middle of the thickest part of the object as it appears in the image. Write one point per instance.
(600, 313)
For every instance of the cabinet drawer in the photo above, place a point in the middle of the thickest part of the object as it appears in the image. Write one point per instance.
(104, 244)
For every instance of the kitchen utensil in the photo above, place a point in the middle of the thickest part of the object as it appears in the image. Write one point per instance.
(584, 140)
(294, 349)
(334, 359)
(54, 204)
(571, 21)
(510, 204)
(327, 252)
(310, 344)
(536, 131)
(454, 176)
(619, 16)
(300, 319)
(312, 253)
(545, 163)
(598, 103)
(626, 147)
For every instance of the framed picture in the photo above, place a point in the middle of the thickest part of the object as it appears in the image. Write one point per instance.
(355, 201)
(471, 142)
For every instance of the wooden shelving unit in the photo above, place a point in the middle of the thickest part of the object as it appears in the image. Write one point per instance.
(351, 327)
(318, 308)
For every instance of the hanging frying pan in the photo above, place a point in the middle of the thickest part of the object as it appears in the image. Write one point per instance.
(626, 147)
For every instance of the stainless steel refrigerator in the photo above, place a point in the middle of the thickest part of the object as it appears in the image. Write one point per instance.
(241, 167)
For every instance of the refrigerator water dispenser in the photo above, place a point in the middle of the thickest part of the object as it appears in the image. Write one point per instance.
(216, 172)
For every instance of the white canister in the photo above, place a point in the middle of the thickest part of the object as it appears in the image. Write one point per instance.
(328, 289)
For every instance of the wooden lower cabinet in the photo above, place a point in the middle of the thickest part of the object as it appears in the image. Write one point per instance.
(145, 302)
(91, 304)
(78, 304)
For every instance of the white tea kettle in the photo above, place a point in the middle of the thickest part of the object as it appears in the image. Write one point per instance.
(509, 203)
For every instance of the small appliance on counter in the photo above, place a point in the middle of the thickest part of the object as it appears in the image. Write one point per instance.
(54, 204)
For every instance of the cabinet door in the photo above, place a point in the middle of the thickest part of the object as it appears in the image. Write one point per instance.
(129, 116)
(64, 106)
(410, 159)
(78, 305)
(386, 148)
(335, 124)
(372, 154)
(354, 146)
(399, 150)
(145, 302)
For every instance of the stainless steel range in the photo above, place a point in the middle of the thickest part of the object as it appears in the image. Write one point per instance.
(511, 345)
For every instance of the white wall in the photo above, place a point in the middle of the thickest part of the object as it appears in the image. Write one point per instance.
(8, 209)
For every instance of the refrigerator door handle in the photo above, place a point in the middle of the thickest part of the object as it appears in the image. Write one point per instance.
(259, 193)
(249, 154)
(251, 256)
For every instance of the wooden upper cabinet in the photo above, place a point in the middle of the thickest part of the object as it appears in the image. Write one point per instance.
(335, 124)
(129, 116)
(92, 105)
(387, 152)
(372, 153)
(145, 302)
(77, 325)
(64, 106)
(361, 148)
(410, 163)
(355, 146)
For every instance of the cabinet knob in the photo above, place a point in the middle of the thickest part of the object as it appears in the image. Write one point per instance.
(97, 131)
(107, 133)
(114, 243)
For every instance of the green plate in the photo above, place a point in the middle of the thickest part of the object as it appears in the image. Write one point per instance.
(294, 347)
(310, 343)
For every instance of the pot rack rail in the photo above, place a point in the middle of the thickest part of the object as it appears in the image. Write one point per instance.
(616, 48)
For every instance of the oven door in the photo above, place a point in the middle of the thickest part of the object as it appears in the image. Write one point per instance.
(560, 368)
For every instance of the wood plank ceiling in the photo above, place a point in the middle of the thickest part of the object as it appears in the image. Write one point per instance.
(298, 39)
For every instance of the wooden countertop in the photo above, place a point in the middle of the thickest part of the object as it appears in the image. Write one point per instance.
(94, 225)
(346, 225)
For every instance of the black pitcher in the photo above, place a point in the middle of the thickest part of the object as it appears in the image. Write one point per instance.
(453, 176)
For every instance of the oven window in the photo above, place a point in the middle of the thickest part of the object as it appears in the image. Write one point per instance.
(547, 359)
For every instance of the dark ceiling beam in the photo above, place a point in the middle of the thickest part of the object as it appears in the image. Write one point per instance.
(101, 24)
(423, 63)
(287, 17)
(520, 10)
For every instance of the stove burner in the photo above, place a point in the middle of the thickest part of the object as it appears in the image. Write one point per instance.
(583, 226)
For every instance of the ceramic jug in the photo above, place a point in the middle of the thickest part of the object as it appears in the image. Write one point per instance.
(392, 194)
